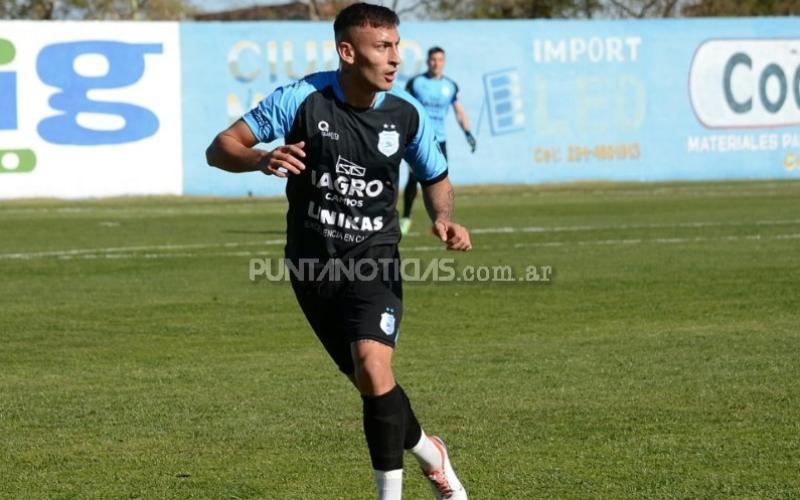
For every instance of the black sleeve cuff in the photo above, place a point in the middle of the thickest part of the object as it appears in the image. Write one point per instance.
(436, 179)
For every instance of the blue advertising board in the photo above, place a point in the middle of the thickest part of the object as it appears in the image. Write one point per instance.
(549, 101)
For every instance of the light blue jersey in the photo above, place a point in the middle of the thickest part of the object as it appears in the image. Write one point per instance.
(437, 95)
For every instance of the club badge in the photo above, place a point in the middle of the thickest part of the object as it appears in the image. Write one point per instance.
(389, 140)
(387, 323)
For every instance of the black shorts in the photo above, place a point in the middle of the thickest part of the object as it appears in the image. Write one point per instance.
(346, 310)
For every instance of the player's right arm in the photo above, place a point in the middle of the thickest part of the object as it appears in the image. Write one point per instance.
(232, 150)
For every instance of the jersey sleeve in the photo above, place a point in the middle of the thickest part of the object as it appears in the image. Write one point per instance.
(456, 93)
(423, 154)
(273, 117)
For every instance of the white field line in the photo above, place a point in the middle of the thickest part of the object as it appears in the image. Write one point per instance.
(126, 252)
(558, 229)
(171, 255)
(263, 203)
(125, 212)
(437, 248)
(143, 248)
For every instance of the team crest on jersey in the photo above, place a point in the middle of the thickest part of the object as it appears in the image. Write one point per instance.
(445, 91)
(389, 140)
(387, 323)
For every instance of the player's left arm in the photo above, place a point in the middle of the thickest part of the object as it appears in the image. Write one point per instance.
(429, 165)
(461, 116)
(439, 201)
(463, 122)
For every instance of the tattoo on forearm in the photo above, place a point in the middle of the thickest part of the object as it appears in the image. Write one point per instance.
(439, 201)
(447, 212)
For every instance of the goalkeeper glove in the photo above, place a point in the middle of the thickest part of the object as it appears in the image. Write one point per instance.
(470, 140)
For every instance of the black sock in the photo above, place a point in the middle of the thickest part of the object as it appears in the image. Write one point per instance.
(413, 430)
(409, 193)
(384, 419)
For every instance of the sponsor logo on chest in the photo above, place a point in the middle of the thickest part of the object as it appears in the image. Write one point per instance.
(347, 181)
(325, 128)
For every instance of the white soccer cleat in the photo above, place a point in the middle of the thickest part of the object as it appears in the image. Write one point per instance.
(444, 482)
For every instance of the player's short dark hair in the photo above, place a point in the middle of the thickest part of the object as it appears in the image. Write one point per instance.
(434, 50)
(363, 14)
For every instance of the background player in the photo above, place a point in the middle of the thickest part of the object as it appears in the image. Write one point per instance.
(437, 93)
(346, 132)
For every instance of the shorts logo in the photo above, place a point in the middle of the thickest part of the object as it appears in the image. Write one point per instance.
(389, 140)
(387, 322)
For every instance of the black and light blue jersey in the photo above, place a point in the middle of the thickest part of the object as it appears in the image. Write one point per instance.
(345, 199)
(436, 95)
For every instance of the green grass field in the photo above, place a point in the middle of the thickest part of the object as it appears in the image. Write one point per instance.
(139, 361)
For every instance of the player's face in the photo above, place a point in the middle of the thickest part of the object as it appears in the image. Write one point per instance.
(436, 64)
(375, 55)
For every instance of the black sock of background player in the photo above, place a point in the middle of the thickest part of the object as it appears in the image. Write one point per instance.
(409, 194)
(384, 428)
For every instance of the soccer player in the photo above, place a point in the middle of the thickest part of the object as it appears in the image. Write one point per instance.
(345, 134)
(437, 93)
